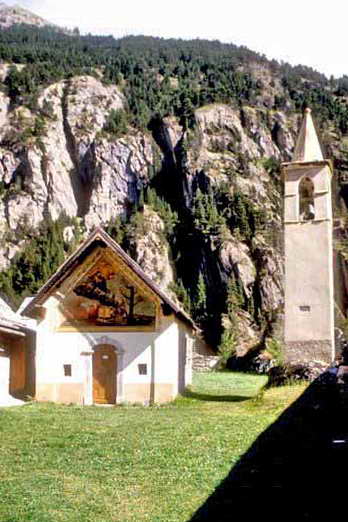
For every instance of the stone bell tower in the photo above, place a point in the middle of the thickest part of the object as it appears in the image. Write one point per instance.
(309, 283)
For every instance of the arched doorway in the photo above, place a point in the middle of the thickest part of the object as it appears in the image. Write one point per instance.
(104, 374)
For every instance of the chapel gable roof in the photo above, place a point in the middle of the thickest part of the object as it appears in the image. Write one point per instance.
(99, 238)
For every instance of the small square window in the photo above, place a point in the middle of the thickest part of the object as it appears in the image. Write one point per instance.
(305, 308)
(67, 370)
(142, 369)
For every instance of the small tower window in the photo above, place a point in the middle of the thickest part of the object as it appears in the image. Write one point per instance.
(67, 370)
(142, 369)
(306, 194)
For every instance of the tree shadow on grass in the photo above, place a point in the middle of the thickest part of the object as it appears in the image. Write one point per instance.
(215, 398)
(301, 457)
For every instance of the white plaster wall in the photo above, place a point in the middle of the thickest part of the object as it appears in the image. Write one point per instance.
(4, 375)
(189, 360)
(322, 206)
(54, 349)
(309, 281)
(291, 208)
(167, 356)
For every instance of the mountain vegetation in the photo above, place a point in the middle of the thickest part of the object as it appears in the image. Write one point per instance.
(162, 77)
(220, 216)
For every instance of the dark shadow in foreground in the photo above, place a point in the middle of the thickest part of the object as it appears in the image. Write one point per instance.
(302, 457)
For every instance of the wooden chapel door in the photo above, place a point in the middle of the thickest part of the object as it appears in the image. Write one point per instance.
(104, 374)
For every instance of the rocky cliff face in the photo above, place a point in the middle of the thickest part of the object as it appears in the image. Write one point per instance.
(57, 158)
(11, 15)
(52, 169)
(152, 251)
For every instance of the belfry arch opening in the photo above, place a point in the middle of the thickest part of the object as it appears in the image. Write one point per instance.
(306, 199)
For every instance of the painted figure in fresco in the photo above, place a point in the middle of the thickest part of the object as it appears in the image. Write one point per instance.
(110, 310)
(114, 301)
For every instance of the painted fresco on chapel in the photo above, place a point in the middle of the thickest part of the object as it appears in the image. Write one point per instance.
(107, 298)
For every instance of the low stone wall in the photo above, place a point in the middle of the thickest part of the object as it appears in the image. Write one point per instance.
(204, 363)
(307, 351)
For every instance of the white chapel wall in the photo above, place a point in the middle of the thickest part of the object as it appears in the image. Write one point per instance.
(4, 374)
(158, 350)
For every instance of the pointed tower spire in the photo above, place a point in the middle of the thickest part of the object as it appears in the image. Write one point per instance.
(307, 146)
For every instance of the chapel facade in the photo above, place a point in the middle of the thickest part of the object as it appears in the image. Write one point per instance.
(106, 334)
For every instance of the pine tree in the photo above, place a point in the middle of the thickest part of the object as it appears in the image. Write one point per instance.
(182, 294)
(201, 294)
(241, 215)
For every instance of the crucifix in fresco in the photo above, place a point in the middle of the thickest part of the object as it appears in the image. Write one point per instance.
(105, 297)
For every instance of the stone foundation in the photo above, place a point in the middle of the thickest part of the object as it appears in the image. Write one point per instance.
(146, 393)
(65, 393)
(308, 351)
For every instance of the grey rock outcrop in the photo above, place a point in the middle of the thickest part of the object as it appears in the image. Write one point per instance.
(11, 15)
(69, 168)
(59, 159)
(121, 171)
(152, 251)
(236, 259)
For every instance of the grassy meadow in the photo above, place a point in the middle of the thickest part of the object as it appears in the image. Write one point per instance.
(131, 463)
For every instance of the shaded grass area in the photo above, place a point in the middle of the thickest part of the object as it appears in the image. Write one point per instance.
(298, 461)
(68, 463)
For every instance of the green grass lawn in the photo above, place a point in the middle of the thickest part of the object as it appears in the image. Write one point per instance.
(70, 463)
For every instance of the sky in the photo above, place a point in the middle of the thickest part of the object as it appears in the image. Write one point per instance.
(306, 32)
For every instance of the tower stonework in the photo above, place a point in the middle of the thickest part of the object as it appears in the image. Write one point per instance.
(309, 282)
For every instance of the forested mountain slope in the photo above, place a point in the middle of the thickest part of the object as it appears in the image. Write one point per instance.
(175, 147)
